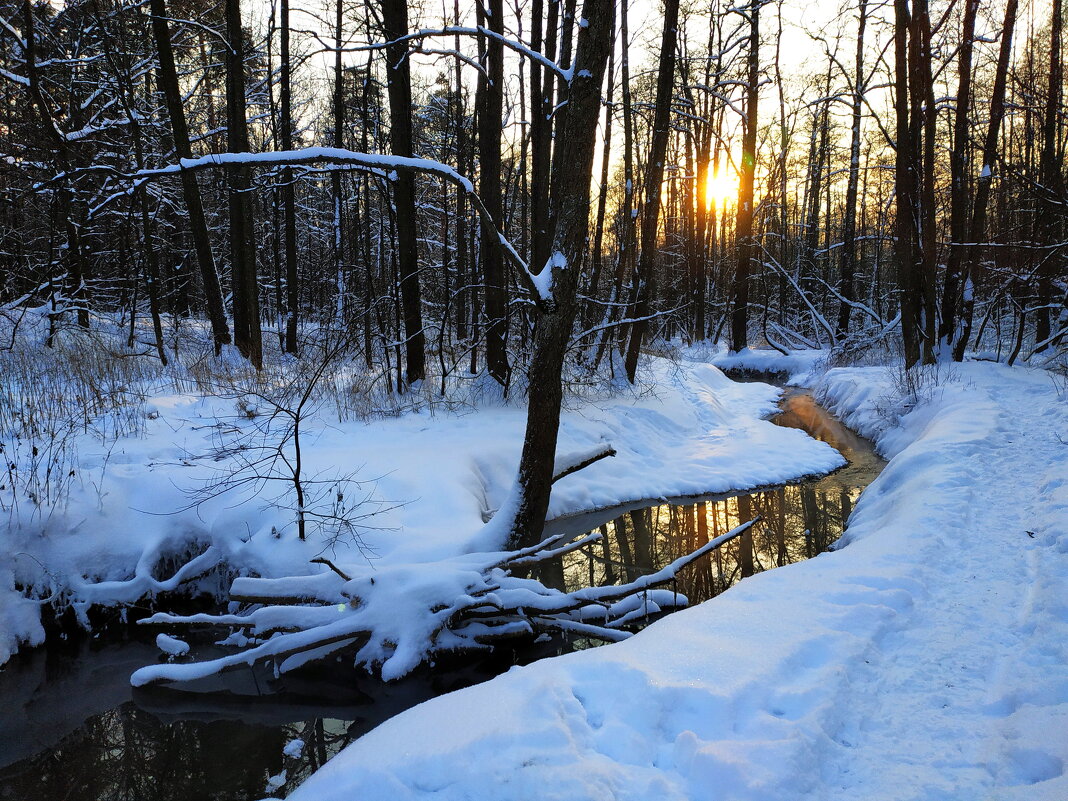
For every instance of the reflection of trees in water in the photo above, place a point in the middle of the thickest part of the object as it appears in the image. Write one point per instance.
(127, 754)
(798, 522)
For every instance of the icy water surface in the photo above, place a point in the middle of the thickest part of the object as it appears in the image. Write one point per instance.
(72, 728)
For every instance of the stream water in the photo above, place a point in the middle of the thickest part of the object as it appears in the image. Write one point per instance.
(72, 728)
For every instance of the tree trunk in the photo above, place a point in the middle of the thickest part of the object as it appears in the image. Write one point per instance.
(242, 232)
(849, 224)
(654, 178)
(399, 86)
(1052, 184)
(569, 219)
(289, 213)
(744, 226)
(977, 231)
(958, 174)
(194, 205)
(489, 104)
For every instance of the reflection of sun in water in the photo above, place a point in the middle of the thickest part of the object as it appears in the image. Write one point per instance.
(721, 188)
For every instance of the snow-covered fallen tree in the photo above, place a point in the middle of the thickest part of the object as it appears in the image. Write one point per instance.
(398, 616)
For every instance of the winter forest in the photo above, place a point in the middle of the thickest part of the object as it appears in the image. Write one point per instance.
(587, 399)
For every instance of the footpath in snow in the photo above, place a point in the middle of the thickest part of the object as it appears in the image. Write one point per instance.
(433, 479)
(927, 658)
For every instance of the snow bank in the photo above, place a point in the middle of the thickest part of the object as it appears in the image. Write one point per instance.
(431, 481)
(801, 367)
(925, 659)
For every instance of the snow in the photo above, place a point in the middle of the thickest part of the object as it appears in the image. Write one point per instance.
(925, 658)
(293, 749)
(800, 366)
(171, 646)
(543, 281)
(432, 481)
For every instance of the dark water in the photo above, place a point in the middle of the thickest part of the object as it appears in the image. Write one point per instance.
(72, 728)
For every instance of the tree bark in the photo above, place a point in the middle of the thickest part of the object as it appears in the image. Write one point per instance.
(569, 219)
(744, 226)
(654, 178)
(399, 87)
(489, 103)
(242, 230)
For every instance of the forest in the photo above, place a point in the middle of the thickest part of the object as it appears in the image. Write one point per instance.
(900, 187)
(387, 333)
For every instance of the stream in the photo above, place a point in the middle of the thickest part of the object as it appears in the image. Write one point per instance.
(73, 727)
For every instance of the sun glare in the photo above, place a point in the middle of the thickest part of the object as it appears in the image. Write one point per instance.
(721, 188)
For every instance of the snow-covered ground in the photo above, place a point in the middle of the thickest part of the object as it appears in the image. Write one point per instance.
(927, 658)
(433, 480)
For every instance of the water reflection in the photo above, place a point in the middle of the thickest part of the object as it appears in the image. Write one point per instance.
(798, 521)
(73, 728)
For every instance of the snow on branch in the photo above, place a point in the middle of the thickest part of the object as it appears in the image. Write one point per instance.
(383, 165)
(398, 616)
(573, 462)
(454, 30)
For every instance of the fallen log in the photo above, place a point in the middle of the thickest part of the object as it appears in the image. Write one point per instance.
(401, 615)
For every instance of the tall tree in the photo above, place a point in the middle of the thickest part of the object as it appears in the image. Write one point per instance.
(246, 302)
(399, 89)
(489, 105)
(1052, 179)
(978, 228)
(289, 212)
(190, 189)
(654, 178)
(744, 225)
(849, 223)
(569, 220)
(959, 180)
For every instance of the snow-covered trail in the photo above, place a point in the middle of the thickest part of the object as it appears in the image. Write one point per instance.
(969, 689)
(924, 660)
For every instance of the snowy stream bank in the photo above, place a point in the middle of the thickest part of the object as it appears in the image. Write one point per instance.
(430, 479)
(924, 660)
(153, 719)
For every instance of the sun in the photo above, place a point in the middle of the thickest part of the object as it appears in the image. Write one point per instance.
(721, 188)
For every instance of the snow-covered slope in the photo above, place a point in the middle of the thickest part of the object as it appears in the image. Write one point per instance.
(926, 659)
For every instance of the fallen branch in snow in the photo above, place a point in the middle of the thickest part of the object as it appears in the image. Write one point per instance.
(399, 616)
(572, 464)
(322, 560)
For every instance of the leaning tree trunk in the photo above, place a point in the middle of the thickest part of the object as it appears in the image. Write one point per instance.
(569, 217)
(194, 205)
